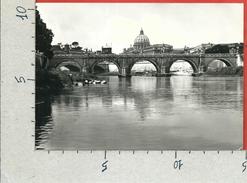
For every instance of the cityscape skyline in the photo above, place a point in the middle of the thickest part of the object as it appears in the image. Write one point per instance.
(117, 25)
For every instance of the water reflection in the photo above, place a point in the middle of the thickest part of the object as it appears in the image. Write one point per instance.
(44, 122)
(144, 113)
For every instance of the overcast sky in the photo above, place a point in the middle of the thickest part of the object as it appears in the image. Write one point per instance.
(94, 25)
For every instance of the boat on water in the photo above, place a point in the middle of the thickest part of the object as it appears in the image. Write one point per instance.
(89, 81)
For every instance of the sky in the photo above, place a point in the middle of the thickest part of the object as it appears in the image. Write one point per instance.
(94, 25)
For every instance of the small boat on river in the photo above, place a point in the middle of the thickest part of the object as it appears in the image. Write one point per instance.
(93, 81)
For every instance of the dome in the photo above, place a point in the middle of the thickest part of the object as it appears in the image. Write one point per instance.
(141, 41)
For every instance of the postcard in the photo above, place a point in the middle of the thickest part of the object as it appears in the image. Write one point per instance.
(123, 76)
(123, 91)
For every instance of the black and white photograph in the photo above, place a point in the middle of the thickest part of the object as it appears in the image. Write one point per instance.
(147, 76)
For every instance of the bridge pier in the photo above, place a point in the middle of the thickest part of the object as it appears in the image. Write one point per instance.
(124, 73)
(162, 72)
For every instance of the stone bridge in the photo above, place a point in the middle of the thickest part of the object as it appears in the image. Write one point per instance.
(125, 62)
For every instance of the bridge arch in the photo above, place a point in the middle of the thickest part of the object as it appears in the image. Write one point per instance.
(69, 64)
(104, 60)
(225, 61)
(191, 62)
(153, 62)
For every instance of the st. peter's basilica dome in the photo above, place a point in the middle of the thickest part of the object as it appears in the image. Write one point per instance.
(141, 41)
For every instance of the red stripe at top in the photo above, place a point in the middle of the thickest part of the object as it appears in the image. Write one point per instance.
(139, 1)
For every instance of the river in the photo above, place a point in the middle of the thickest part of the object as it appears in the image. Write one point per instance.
(144, 113)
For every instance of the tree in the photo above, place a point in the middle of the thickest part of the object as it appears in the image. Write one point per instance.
(75, 44)
(44, 37)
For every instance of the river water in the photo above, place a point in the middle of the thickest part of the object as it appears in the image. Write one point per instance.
(144, 113)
